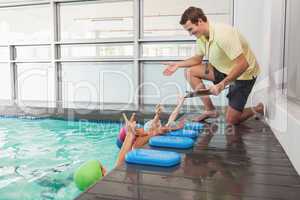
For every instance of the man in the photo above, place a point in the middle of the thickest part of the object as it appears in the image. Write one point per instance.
(230, 62)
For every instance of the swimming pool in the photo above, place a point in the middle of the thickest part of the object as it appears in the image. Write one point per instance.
(38, 157)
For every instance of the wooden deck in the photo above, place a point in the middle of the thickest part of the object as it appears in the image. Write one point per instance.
(245, 163)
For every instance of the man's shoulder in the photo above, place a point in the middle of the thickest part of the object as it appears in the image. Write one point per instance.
(224, 32)
(222, 25)
(221, 29)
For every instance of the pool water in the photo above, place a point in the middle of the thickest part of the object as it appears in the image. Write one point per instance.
(38, 157)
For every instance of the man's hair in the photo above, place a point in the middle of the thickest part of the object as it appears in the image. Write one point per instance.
(193, 14)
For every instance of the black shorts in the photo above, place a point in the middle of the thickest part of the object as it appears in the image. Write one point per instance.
(238, 91)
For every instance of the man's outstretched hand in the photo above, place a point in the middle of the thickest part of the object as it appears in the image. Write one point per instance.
(170, 69)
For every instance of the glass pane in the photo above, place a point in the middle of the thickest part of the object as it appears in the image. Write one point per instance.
(85, 85)
(16, 1)
(36, 83)
(4, 53)
(33, 52)
(96, 51)
(159, 88)
(161, 19)
(96, 20)
(5, 81)
(168, 50)
(16, 24)
(292, 51)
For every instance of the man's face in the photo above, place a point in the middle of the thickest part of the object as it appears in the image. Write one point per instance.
(194, 29)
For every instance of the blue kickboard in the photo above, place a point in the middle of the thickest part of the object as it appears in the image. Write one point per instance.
(183, 133)
(153, 157)
(171, 142)
(197, 126)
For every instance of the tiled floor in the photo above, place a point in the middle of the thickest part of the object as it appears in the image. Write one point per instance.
(242, 163)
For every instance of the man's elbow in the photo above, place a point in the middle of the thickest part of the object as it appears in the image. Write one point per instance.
(242, 61)
(246, 65)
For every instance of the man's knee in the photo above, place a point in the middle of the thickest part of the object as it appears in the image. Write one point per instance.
(233, 116)
(189, 73)
(232, 120)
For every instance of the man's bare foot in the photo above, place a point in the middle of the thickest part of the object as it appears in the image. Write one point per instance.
(207, 114)
(259, 110)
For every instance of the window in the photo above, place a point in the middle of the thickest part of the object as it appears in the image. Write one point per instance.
(36, 82)
(97, 51)
(86, 85)
(4, 54)
(162, 20)
(5, 86)
(16, 24)
(33, 53)
(175, 50)
(96, 20)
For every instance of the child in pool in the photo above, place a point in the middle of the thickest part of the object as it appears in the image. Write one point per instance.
(154, 127)
(92, 171)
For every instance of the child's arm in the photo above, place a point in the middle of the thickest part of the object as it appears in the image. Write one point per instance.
(156, 120)
(129, 139)
(176, 111)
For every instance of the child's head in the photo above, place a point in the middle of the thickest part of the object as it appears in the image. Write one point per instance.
(88, 174)
(172, 124)
(152, 125)
(148, 125)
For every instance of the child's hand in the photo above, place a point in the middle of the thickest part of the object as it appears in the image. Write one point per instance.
(130, 125)
(133, 117)
(158, 109)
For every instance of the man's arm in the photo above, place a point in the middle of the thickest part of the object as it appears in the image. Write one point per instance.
(195, 60)
(240, 66)
(173, 66)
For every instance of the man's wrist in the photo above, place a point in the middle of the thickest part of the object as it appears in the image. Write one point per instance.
(222, 84)
(225, 82)
(177, 65)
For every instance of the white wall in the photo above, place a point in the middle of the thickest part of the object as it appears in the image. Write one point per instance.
(293, 49)
(252, 18)
(262, 22)
(285, 115)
